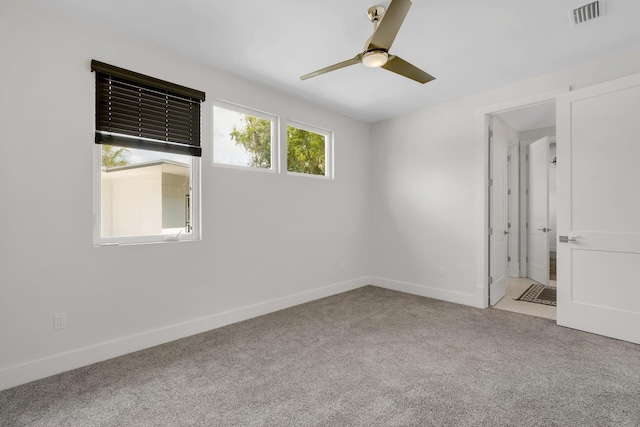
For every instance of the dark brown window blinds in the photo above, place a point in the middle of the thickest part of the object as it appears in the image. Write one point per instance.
(138, 111)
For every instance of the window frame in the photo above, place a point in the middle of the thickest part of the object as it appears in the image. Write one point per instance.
(158, 101)
(328, 149)
(275, 132)
(98, 240)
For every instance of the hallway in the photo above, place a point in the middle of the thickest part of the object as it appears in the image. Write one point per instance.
(515, 288)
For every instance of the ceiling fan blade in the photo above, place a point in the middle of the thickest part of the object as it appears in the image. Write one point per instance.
(402, 67)
(390, 25)
(355, 60)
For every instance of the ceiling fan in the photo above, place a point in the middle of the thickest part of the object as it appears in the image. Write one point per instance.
(376, 49)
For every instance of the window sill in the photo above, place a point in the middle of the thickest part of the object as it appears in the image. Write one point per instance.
(310, 175)
(244, 168)
(148, 240)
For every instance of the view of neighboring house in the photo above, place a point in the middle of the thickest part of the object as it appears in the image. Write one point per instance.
(145, 199)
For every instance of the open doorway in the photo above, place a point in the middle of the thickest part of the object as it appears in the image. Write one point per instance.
(526, 200)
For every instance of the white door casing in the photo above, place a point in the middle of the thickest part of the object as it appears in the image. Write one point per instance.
(483, 119)
(538, 211)
(498, 213)
(598, 150)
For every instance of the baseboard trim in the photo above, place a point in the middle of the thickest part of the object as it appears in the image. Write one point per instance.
(37, 369)
(425, 291)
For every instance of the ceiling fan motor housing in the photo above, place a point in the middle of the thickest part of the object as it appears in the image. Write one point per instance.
(375, 13)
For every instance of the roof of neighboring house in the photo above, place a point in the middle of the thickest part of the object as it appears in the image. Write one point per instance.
(166, 166)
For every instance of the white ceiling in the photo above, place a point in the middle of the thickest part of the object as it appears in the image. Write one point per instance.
(533, 117)
(470, 46)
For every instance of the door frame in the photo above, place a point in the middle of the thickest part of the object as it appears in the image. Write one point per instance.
(483, 120)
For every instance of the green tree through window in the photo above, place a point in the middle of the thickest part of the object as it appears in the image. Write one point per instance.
(255, 137)
(305, 151)
(113, 156)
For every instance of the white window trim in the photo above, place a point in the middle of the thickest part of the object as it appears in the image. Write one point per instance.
(328, 149)
(99, 241)
(275, 120)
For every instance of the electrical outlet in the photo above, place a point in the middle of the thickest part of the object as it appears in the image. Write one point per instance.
(443, 272)
(60, 321)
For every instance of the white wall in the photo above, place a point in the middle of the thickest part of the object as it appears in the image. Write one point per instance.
(425, 200)
(268, 240)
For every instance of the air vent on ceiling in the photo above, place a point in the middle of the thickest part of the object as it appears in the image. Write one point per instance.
(587, 12)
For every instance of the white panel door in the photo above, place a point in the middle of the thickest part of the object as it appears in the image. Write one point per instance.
(513, 203)
(538, 211)
(599, 209)
(498, 214)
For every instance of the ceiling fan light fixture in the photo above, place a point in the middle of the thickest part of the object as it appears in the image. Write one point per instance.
(375, 53)
(375, 58)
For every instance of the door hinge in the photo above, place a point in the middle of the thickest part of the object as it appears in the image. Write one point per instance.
(508, 158)
(509, 192)
(527, 226)
(508, 259)
(526, 157)
(490, 133)
(490, 182)
(508, 225)
(490, 280)
(527, 192)
(490, 231)
(527, 259)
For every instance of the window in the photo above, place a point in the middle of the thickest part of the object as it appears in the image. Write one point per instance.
(147, 158)
(249, 139)
(308, 150)
(244, 137)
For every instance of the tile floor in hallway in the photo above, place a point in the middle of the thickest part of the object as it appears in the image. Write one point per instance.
(515, 288)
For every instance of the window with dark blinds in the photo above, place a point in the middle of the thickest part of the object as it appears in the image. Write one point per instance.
(138, 111)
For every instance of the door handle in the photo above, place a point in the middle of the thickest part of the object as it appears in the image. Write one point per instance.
(568, 239)
(544, 229)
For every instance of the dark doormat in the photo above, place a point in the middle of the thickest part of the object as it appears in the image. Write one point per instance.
(539, 294)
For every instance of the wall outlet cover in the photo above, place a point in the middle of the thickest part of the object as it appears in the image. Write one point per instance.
(60, 321)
